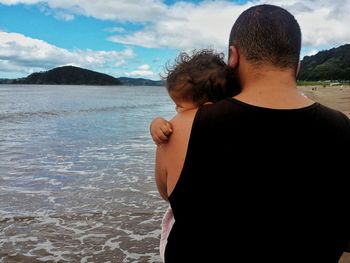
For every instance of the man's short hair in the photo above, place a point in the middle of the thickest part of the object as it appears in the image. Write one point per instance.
(267, 34)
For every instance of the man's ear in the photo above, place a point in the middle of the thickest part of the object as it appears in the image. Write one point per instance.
(233, 57)
(298, 68)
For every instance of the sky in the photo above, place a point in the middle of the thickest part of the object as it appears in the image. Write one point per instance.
(129, 38)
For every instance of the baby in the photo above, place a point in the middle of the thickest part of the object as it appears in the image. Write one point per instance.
(193, 80)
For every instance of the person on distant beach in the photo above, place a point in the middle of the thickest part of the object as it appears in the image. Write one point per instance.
(193, 80)
(243, 178)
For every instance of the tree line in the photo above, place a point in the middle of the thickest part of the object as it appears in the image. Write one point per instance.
(332, 64)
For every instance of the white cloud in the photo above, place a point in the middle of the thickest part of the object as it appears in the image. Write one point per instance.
(58, 14)
(207, 24)
(141, 71)
(115, 29)
(185, 25)
(144, 67)
(63, 16)
(121, 63)
(121, 10)
(323, 22)
(318, 29)
(15, 2)
(181, 26)
(26, 55)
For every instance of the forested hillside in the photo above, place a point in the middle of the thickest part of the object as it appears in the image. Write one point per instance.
(332, 64)
(69, 75)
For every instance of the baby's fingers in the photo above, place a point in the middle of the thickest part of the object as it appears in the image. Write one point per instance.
(166, 130)
(169, 128)
(160, 138)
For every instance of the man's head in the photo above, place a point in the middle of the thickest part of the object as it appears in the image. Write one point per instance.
(267, 34)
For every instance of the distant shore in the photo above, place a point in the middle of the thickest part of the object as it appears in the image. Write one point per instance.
(337, 97)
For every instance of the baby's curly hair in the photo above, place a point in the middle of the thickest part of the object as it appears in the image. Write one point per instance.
(201, 77)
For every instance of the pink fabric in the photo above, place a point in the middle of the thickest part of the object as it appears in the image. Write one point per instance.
(167, 223)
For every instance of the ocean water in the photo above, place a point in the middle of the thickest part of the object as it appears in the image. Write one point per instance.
(77, 173)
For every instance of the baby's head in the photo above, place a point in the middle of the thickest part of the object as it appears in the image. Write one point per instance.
(200, 77)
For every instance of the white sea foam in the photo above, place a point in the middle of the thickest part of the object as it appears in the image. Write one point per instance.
(86, 259)
(87, 236)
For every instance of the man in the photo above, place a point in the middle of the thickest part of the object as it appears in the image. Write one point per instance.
(259, 177)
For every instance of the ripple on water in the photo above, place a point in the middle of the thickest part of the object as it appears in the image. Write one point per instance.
(87, 237)
(76, 174)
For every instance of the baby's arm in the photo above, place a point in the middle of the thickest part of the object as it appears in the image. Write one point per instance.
(160, 130)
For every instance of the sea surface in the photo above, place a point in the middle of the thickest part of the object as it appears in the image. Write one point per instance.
(77, 173)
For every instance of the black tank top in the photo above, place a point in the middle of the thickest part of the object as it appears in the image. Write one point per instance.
(262, 185)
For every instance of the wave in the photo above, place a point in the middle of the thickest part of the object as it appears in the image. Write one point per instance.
(20, 116)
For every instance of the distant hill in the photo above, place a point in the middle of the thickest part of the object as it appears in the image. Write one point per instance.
(70, 75)
(140, 82)
(332, 64)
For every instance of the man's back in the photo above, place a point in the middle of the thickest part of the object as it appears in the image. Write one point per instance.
(263, 183)
(267, 181)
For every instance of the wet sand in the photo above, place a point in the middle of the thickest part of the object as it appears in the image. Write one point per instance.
(337, 97)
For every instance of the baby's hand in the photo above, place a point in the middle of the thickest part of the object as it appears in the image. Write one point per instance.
(160, 130)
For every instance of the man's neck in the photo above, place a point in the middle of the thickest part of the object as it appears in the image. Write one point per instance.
(271, 88)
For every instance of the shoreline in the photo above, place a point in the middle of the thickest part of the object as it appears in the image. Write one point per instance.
(336, 97)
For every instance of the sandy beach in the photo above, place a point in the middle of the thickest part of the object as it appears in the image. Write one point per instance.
(337, 97)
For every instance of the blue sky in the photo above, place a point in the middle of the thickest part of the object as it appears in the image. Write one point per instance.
(137, 38)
